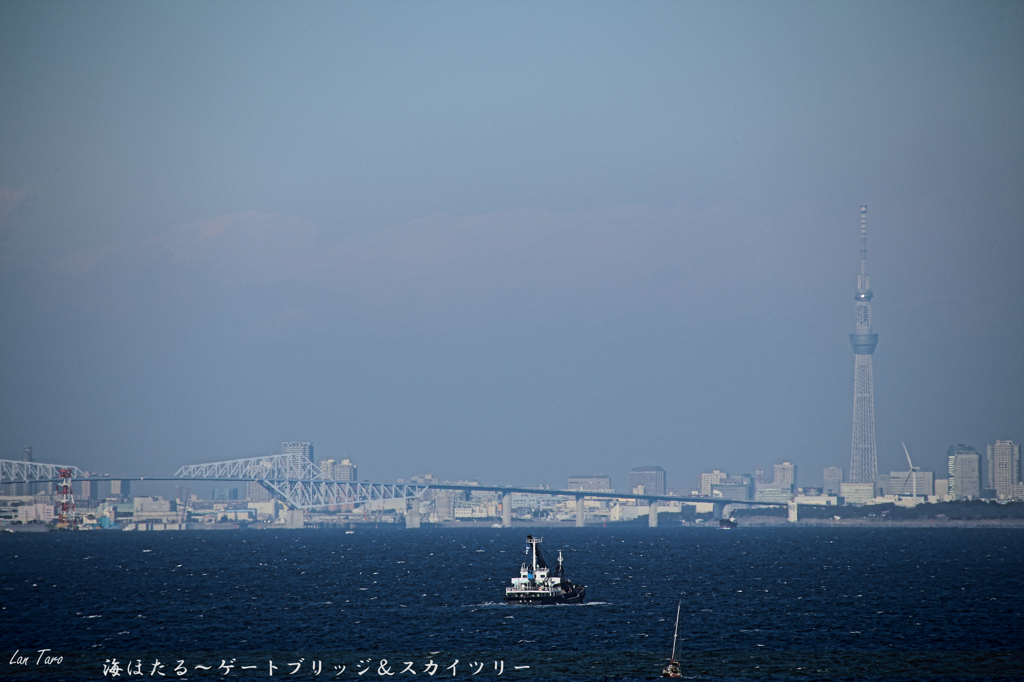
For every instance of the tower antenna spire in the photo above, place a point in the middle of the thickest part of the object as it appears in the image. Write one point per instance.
(863, 239)
(863, 456)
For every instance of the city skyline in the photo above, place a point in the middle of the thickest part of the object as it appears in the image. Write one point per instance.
(892, 488)
(517, 241)
(962, 480)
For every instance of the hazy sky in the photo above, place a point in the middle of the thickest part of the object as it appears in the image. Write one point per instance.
(508, 241)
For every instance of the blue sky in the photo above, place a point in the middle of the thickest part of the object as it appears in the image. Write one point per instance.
(510, 241)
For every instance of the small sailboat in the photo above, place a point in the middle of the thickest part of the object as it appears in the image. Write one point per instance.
(672, 669)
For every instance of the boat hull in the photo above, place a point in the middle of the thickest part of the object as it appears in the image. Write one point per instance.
(574, 596)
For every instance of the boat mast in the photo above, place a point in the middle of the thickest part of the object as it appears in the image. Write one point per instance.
(676, 634)
(533, 548)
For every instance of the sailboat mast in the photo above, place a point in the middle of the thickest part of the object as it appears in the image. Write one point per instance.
(675, 635)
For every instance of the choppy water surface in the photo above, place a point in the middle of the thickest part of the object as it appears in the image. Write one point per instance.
(771, 603)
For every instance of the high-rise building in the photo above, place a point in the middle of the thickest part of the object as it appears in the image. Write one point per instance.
(709, 479)
(121, 489)
(651, 478)
(88, 489)
(345, 470)
(301, 454)
(594, 482)
(296, 448)
(964, 472)
(734, 488)
(224, 494)
(1003, 471)
(863, 456)
(834, 480)
(255, 492)
(780, 488)
(785, 475)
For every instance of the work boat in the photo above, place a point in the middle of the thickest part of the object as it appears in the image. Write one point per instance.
(537, 584)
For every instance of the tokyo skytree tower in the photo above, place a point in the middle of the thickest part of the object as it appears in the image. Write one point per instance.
(863, 457)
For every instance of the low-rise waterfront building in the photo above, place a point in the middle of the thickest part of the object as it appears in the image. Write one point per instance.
(821, 500)
(37, 512)
(857, 493)
(771, 493)
(903, 484)
(593, 482)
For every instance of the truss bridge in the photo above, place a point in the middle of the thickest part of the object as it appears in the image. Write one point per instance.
(300, 483)
(13, 471)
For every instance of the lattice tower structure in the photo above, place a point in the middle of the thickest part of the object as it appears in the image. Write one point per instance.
(863, 455)
(65, 500)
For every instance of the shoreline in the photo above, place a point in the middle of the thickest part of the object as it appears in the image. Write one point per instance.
(749, 522)
(883, 523)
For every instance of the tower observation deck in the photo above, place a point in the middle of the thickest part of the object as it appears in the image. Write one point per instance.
(863, 456)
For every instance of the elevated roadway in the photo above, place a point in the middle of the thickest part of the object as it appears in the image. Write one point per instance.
(300, 484)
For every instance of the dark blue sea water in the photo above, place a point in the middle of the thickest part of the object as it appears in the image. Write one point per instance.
(766, 603)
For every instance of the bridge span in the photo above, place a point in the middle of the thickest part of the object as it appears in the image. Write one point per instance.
(300, 484)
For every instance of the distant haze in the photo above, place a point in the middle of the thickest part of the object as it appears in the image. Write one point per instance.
(507, 241)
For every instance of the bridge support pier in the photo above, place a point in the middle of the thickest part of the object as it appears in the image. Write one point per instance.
(792, 512)
(294, 518)
(580, 512)
(412, 514)
(719, 510)
(506, 510)
(652, 514)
